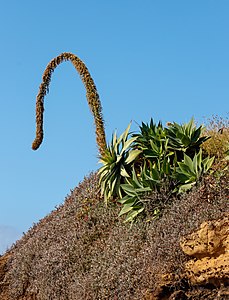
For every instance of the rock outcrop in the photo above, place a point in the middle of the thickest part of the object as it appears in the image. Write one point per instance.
(209, 249)
(206, 274)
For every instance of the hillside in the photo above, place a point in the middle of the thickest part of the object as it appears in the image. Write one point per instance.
(82, 250)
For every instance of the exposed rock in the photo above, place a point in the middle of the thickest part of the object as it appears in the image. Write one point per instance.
(206, 274)
(210, 248)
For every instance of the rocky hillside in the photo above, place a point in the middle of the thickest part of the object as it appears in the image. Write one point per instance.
(82, 250)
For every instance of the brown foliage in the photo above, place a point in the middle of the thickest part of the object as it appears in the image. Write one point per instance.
(218, 129)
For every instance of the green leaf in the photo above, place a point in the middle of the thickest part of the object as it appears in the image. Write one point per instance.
(133, 214)
(166, 167)
(181, 177)
(129, 189)
(113, 185)
(196, 134)
(132, 155)
(127, 144)
(114, 139)
(128, 199)
(189, 127)
(154, 174)
(199, 160)
(185, 140)
(124, 135)
(143, 190)
(195, 164)
(123, 172)
(207, 163)
(188, 162)
(154, 147)
(135, 179)
(125, 209)
(183, 168)
(186, 187)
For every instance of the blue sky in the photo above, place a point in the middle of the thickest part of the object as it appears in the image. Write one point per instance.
(162, 59)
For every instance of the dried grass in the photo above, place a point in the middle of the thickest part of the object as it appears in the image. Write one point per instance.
(218, 129)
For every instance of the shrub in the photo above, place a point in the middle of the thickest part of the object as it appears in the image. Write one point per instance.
(218, 128)
(149, 160)
(190, 171)
(117, 160)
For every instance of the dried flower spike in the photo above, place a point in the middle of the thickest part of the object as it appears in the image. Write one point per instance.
(92, 98)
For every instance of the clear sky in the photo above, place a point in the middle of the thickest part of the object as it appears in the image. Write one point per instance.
(163, 59)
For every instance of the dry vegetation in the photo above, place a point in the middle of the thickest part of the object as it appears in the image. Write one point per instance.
(218, 128)
(82, 250)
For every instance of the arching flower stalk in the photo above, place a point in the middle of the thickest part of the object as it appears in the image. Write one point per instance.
(92, 98)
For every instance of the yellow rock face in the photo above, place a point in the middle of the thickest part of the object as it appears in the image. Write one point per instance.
(209, 246)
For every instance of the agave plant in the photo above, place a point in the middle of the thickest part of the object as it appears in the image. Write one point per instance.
(185, 138)
(135, 189)
(163, 161)
(190, 170)
(92, 97)
(151, 140)
(132, 201)
(149, 132)
(117, 160)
